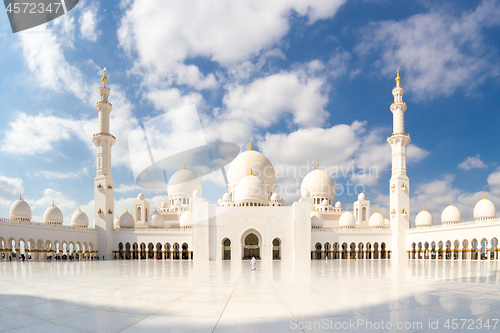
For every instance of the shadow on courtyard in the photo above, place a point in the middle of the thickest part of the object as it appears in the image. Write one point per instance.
(317, 296)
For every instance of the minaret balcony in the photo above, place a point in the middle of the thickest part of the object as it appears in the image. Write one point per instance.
(106, 134)
(99, 212)
(105, 102)
(395, 134)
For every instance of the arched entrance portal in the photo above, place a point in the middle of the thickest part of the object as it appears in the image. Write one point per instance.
(251, 248)
(227, 249)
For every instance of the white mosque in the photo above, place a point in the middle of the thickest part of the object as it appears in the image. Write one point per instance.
(251, 219)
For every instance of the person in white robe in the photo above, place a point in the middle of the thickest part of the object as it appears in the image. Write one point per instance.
(254, 264)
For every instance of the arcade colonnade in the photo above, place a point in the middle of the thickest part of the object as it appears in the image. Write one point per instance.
(153, 250)
(352, 250)
(41, 241)
(30, 249)
(465, 249)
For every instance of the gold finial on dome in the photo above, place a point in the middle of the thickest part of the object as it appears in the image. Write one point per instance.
(104, 79)
(251, 173)
(398, 79)
(155, 209)
(251, 144)
(451, 202)
(126, 210)
(484, 196)
(20, 197)
(424, 208)
(184, 164)
(317, 165)
(347, 209)
(79, 209)
(376, 210)
(52, 202)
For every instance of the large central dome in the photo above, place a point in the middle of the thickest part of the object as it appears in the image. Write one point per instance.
(319, 183)
(260, 165)
(183, 183)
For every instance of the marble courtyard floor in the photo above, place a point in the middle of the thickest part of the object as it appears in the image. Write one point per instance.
(184, 296)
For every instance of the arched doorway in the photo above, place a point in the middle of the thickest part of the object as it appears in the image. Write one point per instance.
(226, 248)
(251, 248)
(175, 255)
(185, 251)
(276, 249)
(318, 251)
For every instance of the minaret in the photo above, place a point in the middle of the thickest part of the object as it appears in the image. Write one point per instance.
(103, 182)
(399, 183)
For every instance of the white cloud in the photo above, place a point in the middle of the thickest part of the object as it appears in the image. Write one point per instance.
(297, 95)
(88, 23)
(171, 99)
(44, 131)
(224, 31)
(29, 135)
(472, 162)
(62, 175)
(44, 56)
(437, 53)
(9, 189)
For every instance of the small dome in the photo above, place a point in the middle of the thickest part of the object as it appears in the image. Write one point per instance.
(196, 194)
(347, 220)
(424, 219)
(155, 220)
(451, 214)
(376, 220)
(127, 220)
(226, 197)
(219, 202)
(316, 220)
(324, 203)
(387, 222)
(183, 183)
(338, 204)
(20, 210)
(186, 219)
(80, 219)
(251, 189)
(53, 215)
(275, 197)
(141, 196)
(361, 196)
(164, 205)
(484, 209)
(116, 223)
(305, 193)
(283, 202)
(177, 202)
(319, 183)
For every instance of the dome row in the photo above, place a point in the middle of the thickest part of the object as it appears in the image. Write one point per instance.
(483, 210)
(21, 211)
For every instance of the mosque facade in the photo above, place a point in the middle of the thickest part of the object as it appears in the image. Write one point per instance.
(251, 219)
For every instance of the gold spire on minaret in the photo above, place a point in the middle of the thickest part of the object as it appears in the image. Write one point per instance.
(398, 79)
(104, 79)
(251, 144)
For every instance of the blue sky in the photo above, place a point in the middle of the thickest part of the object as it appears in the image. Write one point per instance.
(306, 79)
